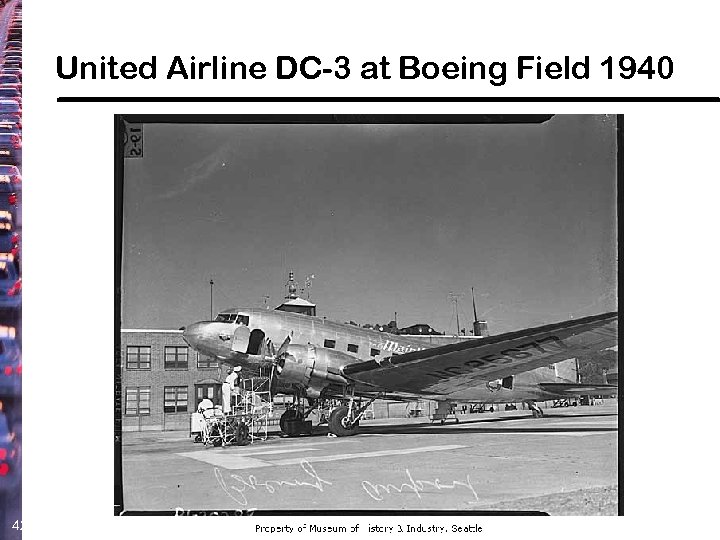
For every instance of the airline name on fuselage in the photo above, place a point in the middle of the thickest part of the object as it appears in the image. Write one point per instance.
(394, 346)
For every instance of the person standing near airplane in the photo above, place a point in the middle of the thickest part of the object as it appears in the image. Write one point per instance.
(227, 389)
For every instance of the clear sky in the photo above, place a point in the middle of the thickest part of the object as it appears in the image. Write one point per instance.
(388, 218)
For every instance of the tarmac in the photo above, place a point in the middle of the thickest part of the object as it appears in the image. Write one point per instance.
(486, 461)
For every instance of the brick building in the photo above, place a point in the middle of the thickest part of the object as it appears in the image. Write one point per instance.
(163, 380)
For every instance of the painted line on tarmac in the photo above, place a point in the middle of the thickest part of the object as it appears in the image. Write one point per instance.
(258, 446)
(227, 461)
(241, 461)
(278, 451)
(361, 455)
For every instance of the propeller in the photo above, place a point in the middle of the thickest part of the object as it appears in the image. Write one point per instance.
(277, 364)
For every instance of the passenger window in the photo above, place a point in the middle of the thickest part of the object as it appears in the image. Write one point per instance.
(374, 352)
(352, 348)
(244, 320)
(329, 343)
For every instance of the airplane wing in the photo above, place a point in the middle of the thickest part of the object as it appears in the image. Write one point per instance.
(450, 369)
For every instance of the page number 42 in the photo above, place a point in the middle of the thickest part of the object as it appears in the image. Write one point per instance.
(17, 525)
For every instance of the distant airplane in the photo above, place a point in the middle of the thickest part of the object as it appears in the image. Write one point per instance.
(318, 360)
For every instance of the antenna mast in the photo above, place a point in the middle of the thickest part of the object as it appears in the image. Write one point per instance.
(472, 289)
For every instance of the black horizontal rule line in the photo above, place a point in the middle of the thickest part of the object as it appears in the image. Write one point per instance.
(389, 99)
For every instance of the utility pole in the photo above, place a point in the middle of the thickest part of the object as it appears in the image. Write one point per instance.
(454, 299)
(211, 298)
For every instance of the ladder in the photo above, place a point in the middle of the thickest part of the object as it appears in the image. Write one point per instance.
(254, 404)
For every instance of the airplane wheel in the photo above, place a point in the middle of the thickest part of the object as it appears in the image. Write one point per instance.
(337, 426)
(288, 416)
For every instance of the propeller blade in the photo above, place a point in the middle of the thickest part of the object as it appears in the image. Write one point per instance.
(283, 349)
(278, 363)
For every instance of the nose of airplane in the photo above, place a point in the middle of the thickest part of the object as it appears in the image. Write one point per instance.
(192, 334)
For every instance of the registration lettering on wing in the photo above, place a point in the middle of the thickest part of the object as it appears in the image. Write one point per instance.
(537, 348)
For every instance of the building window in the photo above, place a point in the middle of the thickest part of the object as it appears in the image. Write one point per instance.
(137, 400)
(137, 357)
(352, 348)
(209, 391)
(374, 352)
(176, 398)
(329, 344)
(206, 362)
(176, 357)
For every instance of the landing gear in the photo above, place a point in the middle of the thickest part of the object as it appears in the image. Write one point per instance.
(536, 411)
(345, 419)
(293, 423)
(342, 423)
(289, 416)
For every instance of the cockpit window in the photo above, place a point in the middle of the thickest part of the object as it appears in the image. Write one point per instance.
(233, 318)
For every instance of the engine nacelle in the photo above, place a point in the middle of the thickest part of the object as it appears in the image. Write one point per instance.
(307, 366)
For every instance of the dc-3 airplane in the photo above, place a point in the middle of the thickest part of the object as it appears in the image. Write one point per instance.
(318, 360)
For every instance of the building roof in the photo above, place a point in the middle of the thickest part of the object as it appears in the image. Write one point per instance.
(297, 302)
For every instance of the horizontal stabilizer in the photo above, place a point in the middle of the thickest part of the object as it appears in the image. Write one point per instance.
(575, 389)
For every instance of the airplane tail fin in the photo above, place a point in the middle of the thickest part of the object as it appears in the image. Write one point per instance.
(568, 370)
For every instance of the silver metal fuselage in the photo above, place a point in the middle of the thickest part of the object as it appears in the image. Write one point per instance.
(215, 338)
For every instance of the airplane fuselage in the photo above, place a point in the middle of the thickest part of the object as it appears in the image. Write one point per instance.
(250, 337)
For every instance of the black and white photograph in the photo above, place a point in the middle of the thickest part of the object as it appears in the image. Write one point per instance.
(369, 313)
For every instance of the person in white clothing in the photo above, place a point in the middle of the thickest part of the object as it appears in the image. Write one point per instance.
(204, 405)
(228, 388)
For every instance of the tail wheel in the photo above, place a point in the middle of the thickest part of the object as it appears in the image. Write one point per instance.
(338, 425)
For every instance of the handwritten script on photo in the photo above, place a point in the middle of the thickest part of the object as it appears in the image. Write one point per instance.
(238, 487)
